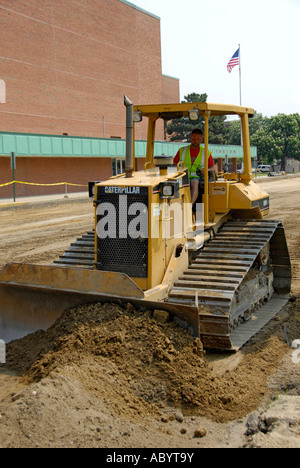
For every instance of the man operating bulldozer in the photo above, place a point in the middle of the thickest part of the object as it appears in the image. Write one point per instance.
(192, 157)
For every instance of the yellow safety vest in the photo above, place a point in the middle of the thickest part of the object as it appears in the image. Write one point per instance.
(199, 163)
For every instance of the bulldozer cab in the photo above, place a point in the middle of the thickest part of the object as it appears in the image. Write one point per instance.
(200, 111)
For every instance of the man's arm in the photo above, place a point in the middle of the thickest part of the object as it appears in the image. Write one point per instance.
(176, 159)
(211, 165)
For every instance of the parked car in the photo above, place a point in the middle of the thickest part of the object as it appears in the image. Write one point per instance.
(263, 168)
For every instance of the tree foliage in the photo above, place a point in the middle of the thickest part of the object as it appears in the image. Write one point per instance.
(180, 129)
(276, 138)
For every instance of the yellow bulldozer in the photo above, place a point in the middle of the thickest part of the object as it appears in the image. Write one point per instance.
(223, 270)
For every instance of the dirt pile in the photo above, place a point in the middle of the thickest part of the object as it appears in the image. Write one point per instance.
(156, 363)
(152, 363)
(110, 376)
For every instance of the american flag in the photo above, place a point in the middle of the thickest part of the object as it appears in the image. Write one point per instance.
(235, 60)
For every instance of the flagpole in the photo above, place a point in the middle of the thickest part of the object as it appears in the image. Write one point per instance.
(240, 75)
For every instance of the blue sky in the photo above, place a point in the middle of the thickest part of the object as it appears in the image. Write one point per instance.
(200, 36)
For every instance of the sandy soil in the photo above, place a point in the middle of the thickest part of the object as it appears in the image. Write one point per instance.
(111, 376)
(39, 233)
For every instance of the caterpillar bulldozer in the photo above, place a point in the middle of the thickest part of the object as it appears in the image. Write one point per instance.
(223, 270)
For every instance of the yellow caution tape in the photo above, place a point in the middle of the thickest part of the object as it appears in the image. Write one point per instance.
(41, 185)
(4, 185)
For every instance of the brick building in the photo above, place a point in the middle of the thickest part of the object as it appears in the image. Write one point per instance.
(67, 64)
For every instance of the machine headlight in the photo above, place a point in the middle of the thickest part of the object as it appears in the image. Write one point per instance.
(137, 116)
(168, 190)
(92, 188)
(194, 114)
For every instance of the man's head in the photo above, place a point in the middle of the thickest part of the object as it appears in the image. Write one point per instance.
(196, 137)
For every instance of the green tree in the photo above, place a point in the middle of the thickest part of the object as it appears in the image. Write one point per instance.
(180, 129)
(278, 138)
(234, 132)
(195, 97)
(257, 122)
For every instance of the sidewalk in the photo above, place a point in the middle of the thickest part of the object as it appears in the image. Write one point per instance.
(266, 178)
(61, 197)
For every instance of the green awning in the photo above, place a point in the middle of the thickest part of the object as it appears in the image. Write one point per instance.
(35, 145)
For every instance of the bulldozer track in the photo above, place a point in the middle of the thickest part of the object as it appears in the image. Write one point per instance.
(81, 253)
(212, 282)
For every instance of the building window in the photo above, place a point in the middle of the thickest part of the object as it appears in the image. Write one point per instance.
(118, 166)
(2, 92)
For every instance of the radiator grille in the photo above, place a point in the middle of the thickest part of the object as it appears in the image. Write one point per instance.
(118, 254)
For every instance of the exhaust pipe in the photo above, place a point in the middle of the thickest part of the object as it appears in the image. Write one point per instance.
(129, 137)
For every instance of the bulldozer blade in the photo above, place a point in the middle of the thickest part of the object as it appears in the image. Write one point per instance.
(32, 297)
